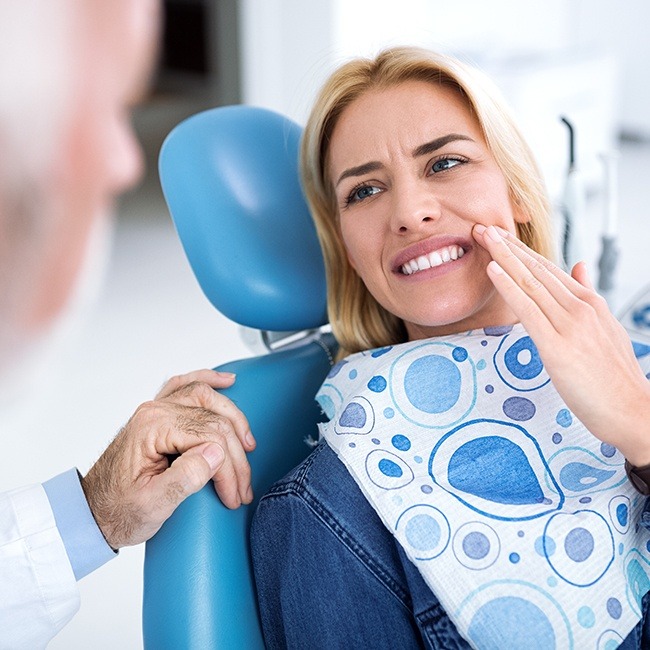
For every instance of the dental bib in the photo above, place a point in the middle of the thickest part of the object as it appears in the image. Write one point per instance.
(522, 523)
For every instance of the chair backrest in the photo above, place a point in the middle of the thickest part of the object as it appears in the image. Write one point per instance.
(230, 179)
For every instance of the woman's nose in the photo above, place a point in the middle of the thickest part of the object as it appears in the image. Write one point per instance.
(413, 209)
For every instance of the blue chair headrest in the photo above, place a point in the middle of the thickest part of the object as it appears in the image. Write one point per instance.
(230, 179)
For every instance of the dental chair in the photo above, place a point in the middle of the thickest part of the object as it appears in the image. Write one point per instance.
(230, 179)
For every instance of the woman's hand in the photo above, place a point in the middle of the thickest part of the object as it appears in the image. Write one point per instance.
(585, 350)
(132, 489)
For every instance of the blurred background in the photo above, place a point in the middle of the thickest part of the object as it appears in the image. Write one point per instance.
(583, 59)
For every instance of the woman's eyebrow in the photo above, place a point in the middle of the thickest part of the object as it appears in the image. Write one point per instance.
(434, 145)
(359, 171)
(422, 150)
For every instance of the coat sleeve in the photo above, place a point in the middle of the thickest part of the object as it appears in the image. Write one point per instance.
(38, 590)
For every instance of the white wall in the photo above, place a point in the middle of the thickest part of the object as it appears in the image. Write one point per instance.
(584, 58)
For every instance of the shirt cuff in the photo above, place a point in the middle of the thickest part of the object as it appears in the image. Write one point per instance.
(84, 542)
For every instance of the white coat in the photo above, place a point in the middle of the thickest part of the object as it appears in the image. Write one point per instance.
(38, 590)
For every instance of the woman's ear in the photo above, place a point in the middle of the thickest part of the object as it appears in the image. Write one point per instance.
(350, 261)
(518, 213)
(349, 258)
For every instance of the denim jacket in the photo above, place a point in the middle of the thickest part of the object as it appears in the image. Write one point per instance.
(330, 575)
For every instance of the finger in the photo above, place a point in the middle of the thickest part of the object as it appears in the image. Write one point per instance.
(195, 425)
(213, 378)
(531, 277)
(241, 468)
(199, 394)
(555, 270)
(227, 484)
(193, 469)
(579, 274)
(575, 294)
(187, 475)
(187, 428)
(525, 309)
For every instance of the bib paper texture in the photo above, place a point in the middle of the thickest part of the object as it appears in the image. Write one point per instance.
(522, 523)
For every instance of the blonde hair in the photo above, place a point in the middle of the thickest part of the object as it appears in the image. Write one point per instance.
(358, 321)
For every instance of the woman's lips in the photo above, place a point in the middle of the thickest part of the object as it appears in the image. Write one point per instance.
(431, 253)
(436, 258)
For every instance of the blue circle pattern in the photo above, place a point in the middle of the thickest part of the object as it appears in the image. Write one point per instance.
(459, 354)
(401, 442)
(433, 384)
(564, 418)
(614, 608)
(523, 616)
(528, 369)
(519, 408)
(476, 545)
(377, 384)
(519, 365)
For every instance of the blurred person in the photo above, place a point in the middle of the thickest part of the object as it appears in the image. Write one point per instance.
(70, 70)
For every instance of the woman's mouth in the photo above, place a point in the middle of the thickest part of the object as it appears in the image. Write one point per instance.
(433, 259)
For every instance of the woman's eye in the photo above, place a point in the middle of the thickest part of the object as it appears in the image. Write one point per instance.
(361, 193)
(444, 164)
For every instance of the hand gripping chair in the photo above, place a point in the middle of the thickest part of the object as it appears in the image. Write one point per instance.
(230, 179)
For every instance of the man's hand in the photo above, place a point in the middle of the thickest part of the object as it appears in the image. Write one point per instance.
(132, 489)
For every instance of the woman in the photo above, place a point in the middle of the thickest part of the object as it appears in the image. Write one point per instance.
(435, 229)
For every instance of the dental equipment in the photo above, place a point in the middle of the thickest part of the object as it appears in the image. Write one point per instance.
(573, 206)
(609, 253)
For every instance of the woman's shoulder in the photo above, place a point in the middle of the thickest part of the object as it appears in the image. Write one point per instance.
(321, 476)
(321, 492)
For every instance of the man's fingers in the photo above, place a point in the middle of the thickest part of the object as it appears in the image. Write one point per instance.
(187, 475)
(233, 477)
(200, 394)
(213, 378)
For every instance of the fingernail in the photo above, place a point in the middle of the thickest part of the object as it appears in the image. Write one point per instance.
(226, 375)
(214, 456)
(493, 234)
(250, 441)
(501, 231)
(479, 228)
(495, 268)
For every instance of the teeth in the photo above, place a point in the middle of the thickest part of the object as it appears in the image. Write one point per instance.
(436, 258)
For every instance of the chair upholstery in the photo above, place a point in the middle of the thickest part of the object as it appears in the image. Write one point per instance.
(230, 179)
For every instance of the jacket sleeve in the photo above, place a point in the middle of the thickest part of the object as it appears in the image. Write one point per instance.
(38, 590)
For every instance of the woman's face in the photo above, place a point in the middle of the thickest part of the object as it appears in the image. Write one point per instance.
(412, 175)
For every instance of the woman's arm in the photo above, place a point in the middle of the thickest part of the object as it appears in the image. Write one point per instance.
(585, 350)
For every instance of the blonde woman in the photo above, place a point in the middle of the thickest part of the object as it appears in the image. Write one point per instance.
(470, 489)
